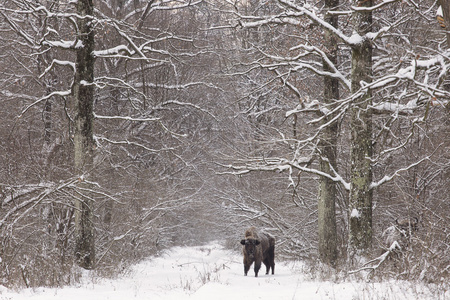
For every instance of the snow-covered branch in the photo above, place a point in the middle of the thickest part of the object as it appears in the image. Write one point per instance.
(311, 14)
(131, 143)
(179, 86)
(294, 11)
(395, 108)
(46, 97)
(292, 19)
(282, 164)
(335, 177)
(125, 118)
(43, 190)
(114, 51)
(40, 9)
(161, 5)
(59, 63)
(192, 105)
(374, 7)
(136, 48)
(75, 44)
(438, 64)
(29, 39)
(335, 72)
(294, 64)
(388, 178)
(378, 261)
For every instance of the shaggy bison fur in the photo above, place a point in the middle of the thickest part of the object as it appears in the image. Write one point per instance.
(258, 247)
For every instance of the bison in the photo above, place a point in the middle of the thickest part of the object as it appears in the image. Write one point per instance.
(258, 247)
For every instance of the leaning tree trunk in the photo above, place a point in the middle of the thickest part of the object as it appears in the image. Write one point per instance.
(360, 206)
(327, 147)
(83, 92)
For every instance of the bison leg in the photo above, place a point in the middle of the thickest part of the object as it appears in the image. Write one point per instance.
(272, 258)
(257, 267)
(246, 268)
(267, 264)
(272, 265)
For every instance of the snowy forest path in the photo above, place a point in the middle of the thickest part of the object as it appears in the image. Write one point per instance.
(213, 272)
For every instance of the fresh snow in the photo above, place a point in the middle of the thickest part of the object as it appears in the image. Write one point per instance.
(355, 213)
(355, 39)
(65, 44)
(439, 12)
(212, 272)
(113, 51)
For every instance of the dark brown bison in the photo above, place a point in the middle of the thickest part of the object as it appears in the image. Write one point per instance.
(258, 247)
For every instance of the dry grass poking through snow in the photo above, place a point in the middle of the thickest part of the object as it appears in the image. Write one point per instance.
(212, 272)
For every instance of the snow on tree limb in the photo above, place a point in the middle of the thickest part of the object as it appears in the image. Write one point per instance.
(303, 10)
(56, 93)
(131, 143)
(282, 164)
(59, 63)
(375, 7)
(43, 189)
(175, 102)
(125, 118)
(388, 178)
(367, 266)
(75, 44)
(335, 177)
(114, 52)
(16, 28)
(335, 74)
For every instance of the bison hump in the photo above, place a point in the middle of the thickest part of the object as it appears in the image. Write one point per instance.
(251, 232)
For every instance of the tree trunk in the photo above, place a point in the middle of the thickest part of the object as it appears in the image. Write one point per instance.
(83, 138)
(445, 4)
(327, 147)
(360, 206)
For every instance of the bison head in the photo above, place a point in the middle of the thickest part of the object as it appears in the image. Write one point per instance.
(250, 246)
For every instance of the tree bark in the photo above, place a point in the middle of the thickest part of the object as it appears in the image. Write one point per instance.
(83, 92)
(327, 146)
(360, 205)
(445, 4)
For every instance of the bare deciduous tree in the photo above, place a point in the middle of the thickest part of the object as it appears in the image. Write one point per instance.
(83, 94)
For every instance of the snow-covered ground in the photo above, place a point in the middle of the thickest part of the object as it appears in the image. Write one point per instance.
(211, 272)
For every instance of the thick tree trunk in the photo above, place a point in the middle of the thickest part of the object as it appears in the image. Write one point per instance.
(326, 205)
(327, 147)
(83, 91)
(360, 206)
